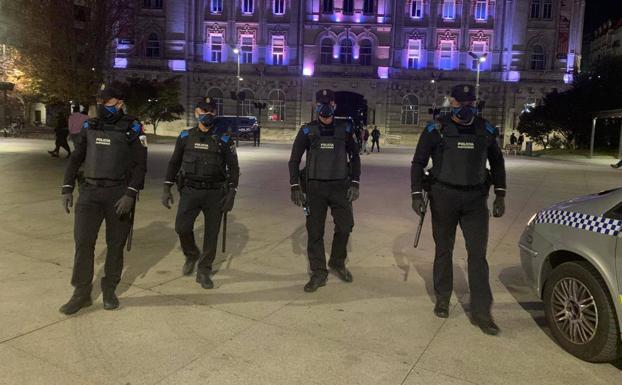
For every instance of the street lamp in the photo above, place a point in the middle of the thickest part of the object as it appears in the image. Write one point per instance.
(236, 51)
(480, 60)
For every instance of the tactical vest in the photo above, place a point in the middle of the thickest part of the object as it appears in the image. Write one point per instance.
(327, 158)
(107, 149)
(203, 158)
(463, 156)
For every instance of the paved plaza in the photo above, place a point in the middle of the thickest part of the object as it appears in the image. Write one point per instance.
(258, 326)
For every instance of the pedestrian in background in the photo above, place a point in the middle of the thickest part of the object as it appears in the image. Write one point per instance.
(375, 139)
(513, 139)
(364, 139)
(521, 140)
(60, 133)
(75, 124)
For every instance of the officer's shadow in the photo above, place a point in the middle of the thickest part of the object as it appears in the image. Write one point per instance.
(237, 239)
(299, 241)
(140, 260)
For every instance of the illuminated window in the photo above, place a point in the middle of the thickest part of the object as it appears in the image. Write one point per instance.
(348, 7)
(279, 7)
(216, 95)
(537, 62)
(410, 110)
(547, 9)
(449, 9)
(535, 9)
(216, 48)
(345, 53)
(278, 50)
(447, 48)
(248, 6)
(216, 6)
(276, 106)
(478, 48)
(365, 52)
(327, 6)
(416, 9)
(481, 10)
(414, 53)
(247, 49)
(153, 46)
(368, 7)
(326, 51)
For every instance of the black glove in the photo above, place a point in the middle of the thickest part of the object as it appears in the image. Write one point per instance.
(353, 192)
(498, 207)
(124, 205)
(167, 196)
(67, 200)
(228, 200)
(298, 198)
(418, 204)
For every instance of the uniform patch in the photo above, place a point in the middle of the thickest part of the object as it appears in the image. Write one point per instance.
(201, 146)
(305, 130)
(327, 146)
(490, 128)
(184, 134)
(103, 141)
(431, 126)
(143, 140)
(225, 138)
(466, 146)
(137, 127)
(606, 226)
(86, 124)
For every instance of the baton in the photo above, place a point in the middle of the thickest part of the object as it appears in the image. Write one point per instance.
(224, 233)
(130, 235)
(421, 219)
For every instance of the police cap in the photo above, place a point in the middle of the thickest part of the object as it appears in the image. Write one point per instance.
(463, 93)
(206, 104)
(109, 93)
(325, 96)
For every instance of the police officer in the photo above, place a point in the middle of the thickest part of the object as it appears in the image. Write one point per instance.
(331, 180)
(205, 168)
(112, 148)
(459, 144)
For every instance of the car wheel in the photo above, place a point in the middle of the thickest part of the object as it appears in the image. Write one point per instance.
(580, 313)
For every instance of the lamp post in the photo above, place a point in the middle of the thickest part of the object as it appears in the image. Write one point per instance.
(480, 60)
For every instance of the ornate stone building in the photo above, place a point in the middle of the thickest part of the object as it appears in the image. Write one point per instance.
(389, 60)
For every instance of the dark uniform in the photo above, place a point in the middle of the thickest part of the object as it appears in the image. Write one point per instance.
(331, 177)
(206, 169)
(459, 190)
(112, 149)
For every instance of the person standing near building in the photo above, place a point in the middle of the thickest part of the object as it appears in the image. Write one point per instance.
(513, 139)
(365, 139)
(205, 168)
(60, 134)
(521, 140)
(460, 144)
(113, 149)
(375, 139)
(331, 179)
(75, 124)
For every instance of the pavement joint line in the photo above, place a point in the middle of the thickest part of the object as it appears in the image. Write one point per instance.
(65, 318)
(450, 376)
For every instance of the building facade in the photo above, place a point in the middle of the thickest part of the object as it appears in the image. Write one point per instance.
(389, 60)
(605, 41)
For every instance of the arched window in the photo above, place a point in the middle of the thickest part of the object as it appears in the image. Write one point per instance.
(537, 62)
(247, 108)
(326, 51)
(345, 53)
(276, 106)
(410, 110)
(217, 95)
(365, 53)
(153, 46)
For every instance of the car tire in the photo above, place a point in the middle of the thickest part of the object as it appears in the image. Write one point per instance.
(601, 345)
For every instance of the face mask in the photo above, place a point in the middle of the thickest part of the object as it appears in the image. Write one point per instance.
(464, 113)
(325, 110)
(109, 112)
(206, 119)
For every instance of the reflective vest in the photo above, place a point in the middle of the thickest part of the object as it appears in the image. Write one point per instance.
(327, 158)
(107, 149)
(203, 158)
(463, 156)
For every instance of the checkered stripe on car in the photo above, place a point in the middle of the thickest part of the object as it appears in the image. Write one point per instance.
(581, 221)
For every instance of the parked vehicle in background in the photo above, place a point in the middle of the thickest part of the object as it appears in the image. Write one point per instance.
(240, 128)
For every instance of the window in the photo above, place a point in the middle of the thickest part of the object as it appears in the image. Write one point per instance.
(216, 6)
(348, 7)
(276, 106)
(481, 10)
(410, 110)
(278, 50)
(368, 7)
(547, 9)
(278, 7)
(247, 49)
(535, 9)
(345, 53)
(537, 58)
(478, 48)
(365, 53)
(447, 48)
(327, 6)
(217, 96)
(152, 4)
(414, 53)
(153, 46)
(247, 107)
(248, 6)
(326, 51)
(216, 48)
(416, 9)
(449, 9)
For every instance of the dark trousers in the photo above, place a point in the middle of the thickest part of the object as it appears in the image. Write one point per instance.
(191, 202)
(94, 205)
(61, 141)
(75, 138)
(320, 196)
(469, 209)
(376, 143)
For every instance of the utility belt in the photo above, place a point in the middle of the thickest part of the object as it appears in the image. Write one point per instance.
(104, 182)
(203, 184)
(475, 187)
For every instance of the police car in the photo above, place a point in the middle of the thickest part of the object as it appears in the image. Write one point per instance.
(572, 255)
(240, 128)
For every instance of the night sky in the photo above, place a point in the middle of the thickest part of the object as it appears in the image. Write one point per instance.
(598, 11)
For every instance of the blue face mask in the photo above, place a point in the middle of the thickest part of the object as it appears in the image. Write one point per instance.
(464, 113)
(325, 110)
(206, 119)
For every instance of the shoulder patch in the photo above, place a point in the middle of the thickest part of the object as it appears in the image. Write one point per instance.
(137, 127)
(431, 126)
(225, 138)
(85, 124)
(490, 128)
(305, 130)
(184, 134)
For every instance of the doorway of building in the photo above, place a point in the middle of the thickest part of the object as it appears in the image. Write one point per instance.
(353, 105)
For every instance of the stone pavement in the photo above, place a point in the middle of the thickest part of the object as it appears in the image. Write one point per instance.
(258, 326)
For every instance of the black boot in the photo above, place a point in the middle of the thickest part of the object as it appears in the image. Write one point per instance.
(191, 251)
(486, 324)
(188, 266)
(315, 283)
(76, 302)
(111, 301)
(441, 309)
(205, 280)
(342, 273)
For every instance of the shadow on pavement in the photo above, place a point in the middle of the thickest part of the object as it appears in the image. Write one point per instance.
(237, 239)
(512, 278)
